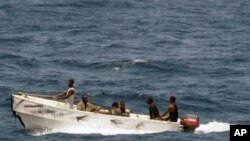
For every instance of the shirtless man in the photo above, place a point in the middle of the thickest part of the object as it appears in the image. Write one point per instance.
(153, 110)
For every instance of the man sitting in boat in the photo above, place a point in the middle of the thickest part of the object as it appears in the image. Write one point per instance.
(153, 110)
(124, 111)
(115, 110)
(172, 109)
(85, 105)
(68, 94)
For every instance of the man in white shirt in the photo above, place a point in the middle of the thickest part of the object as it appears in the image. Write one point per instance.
(68, 94)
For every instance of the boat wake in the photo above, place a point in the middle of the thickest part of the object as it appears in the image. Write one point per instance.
(210, 127)
(76, 130)
(213, 126)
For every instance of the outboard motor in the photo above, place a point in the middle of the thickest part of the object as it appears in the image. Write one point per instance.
(190, 123)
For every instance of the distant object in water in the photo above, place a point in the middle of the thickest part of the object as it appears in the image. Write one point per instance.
(139, 61)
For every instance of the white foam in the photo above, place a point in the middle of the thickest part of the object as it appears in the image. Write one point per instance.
(210, 127)
(133, 62)
(139, 61)
(117, 68)
(76, 130)
(213, 126)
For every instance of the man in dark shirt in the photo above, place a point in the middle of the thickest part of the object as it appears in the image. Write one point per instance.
(124, 111)
(172, 109)
(153, 110)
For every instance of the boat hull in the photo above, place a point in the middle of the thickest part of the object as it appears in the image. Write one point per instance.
(39, 113)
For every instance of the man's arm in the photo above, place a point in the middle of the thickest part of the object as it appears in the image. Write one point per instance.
(92, 107)
(59, 95)
(169, 109)
(65, 96)
(164, 114)
(71, 92)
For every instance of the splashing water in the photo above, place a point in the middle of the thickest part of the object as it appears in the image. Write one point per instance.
(139, 61)
(77, 130)
(210, 127)
(130, 63)
(213, 126)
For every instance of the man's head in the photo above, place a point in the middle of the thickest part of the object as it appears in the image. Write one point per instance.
(71, 82)
(85, 99)
(172, 99)
(115, 105)
(122, 105)
(150, 100)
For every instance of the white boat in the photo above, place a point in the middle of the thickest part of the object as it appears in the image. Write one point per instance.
(35, 112)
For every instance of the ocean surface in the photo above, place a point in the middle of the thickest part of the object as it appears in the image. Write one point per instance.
(196, 50)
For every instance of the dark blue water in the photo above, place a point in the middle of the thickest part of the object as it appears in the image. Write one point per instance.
(126, 50)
